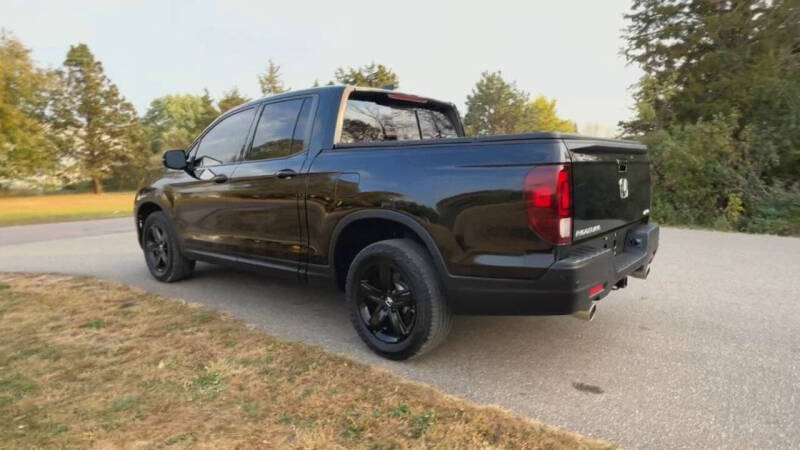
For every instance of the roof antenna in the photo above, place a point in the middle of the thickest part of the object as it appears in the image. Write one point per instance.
(388, 87)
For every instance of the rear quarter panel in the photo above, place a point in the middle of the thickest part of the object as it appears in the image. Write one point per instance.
(467, 196)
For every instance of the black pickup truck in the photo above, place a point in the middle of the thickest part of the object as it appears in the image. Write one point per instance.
(382, 194)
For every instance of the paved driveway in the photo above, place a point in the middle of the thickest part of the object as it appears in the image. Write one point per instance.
(706, 353)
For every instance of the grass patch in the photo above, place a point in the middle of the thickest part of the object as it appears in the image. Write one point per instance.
(171, 374)
(401, 410)
(61, 208)
(95, 324)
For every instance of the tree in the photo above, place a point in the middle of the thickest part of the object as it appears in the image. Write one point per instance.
(719, 75)
(371, 75)
(498, 107)
(700, 173)
(231, 99)
(270, 81)
(546, 118)
(26, 144)
(98, 129)
(174, 121)
(706, 58)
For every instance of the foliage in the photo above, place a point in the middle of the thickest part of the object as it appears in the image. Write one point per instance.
(26, 144)
(231, 99)
(729, 69)
(98, 129)
(546, 118)
(270, 81)
(496, 106)
(371, 75)
(499, 107)
(775, 211)
(174, 121)
(697, 170)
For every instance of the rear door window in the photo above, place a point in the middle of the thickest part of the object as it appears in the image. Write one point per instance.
(281, 129)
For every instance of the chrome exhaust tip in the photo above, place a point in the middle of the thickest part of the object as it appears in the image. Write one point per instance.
(586, 314)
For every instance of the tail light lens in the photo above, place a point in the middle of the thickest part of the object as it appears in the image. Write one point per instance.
(548, 202)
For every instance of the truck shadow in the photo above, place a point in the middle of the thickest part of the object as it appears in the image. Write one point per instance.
(317, 315)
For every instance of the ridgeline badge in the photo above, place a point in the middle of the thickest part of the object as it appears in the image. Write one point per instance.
(585, 231)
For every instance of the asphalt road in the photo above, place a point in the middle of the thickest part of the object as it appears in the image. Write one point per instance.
(704, 354)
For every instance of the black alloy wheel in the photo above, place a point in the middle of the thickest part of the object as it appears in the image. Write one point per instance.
(386, 303)
(156, 248)
(395, 299)
(162, 252)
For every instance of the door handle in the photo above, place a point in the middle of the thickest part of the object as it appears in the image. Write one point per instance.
(220, 178)
(286, 174)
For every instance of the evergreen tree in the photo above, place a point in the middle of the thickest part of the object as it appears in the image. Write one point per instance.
(496, 106)
(231, 99)
(499, 107)
(98, 130)
(371, 75)
(26, 144)
(270, 81)
(705, 59)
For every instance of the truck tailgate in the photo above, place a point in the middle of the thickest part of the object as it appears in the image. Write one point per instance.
(611, 185)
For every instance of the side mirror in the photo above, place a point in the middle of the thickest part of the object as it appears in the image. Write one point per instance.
(175, 159)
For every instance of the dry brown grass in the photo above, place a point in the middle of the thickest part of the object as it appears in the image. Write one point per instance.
(88, 363)
(57, 208)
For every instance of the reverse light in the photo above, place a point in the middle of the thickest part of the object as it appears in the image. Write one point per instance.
(548, 202)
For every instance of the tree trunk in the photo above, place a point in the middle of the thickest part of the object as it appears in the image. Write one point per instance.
(98, 185)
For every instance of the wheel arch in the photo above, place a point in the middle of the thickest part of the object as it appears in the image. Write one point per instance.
(348, 238)
(142, 211)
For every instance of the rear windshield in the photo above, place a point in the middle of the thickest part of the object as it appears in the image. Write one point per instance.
(382, 118)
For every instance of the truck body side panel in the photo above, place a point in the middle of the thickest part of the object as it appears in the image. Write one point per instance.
(467, 196)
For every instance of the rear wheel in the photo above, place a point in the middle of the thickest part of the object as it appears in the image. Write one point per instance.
(396, 303)
(162, 252)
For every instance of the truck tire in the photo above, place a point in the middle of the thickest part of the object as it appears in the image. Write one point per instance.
(162, 252)
(395, 300)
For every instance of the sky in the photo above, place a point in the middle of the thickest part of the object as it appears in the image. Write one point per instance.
(568, 50)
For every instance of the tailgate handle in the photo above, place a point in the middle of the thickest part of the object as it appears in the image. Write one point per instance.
(622, 166)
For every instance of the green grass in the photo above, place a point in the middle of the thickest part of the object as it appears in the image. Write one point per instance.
(61, 208)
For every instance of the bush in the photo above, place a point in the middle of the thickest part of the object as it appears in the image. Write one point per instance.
(700, 174)
(777, 211)
(709, 174)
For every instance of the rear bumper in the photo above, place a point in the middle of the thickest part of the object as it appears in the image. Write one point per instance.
(565, 287)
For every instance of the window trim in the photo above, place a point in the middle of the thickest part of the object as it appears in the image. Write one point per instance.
(312, 115)
(195, 147)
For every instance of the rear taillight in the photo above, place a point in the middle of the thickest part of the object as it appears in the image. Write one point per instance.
(548, 202)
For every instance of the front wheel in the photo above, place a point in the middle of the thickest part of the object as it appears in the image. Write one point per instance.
(395, 299)
(162, 252)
